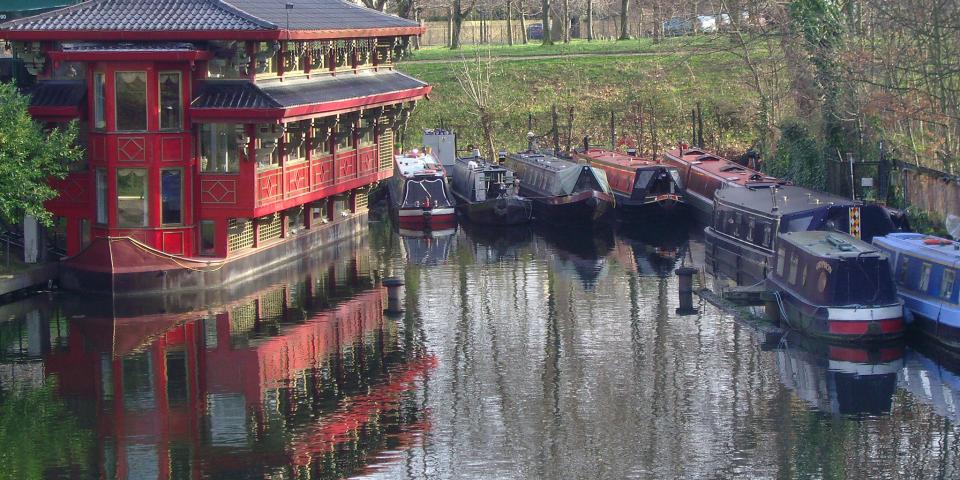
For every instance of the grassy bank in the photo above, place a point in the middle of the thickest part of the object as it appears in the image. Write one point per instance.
(534, 48)
(666, 85)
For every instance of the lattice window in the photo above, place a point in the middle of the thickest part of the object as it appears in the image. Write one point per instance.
(270, 227)
(362, 200)
(240, 235)
(386, 147)
(242, 318)
(272, 304)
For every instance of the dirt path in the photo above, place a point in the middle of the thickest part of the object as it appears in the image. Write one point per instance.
(508, 58)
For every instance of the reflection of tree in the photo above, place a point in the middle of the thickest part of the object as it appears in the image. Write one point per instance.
(38, 433)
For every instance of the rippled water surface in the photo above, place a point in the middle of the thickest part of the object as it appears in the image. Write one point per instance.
(520, 354)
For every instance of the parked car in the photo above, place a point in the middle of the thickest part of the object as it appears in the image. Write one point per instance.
(535, 31)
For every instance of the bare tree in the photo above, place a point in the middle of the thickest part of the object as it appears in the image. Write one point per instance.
(624, 20)
(547, 37)
(378, 5)
(474, 78)
(566, 21)
(510, 22)
(459, 15)
(589, 20)
(523, 21)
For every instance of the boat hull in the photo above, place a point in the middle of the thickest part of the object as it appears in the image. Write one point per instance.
(745, 264)
(427, 218)
(498, 211)
(582, 208)
(658, 207)
(860, 324)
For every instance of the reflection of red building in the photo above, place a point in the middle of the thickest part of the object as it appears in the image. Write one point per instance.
(272, 382)
(221, 136)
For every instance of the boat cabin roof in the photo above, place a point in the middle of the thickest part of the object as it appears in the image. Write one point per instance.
(828, 244)
(480, 163)
(731, 172)
(789, 199)
(618, 159)
(419, 163)
(543, 160)
(935, 248)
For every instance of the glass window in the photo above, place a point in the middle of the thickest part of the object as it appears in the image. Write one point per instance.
(320, 138)
(170, 101)
(99, 96)
(101, 180)
(295, 221)
(268, 155)
(904, 269)
(344, 136)
(267, 54)
(295, 142)
(925, 277)
(207, 236)
(220, 145)
(366, 132)
(794, 268)
(171, 195)
(781, 259)
(84, 233)
(946, 284)
(132, 197)
(131, 97)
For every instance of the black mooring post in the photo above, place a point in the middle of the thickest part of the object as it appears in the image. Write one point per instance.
(613, 132)
(685, 274)
(394, 293)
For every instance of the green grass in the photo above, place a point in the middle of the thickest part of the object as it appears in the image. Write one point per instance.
(534, 48)
(668, 85)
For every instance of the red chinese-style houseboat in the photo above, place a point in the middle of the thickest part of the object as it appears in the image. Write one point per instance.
(642, 187)
(222, 137)
(702, 173)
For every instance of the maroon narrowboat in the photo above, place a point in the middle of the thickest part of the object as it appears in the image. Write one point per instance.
(642, 187)
(703, 173)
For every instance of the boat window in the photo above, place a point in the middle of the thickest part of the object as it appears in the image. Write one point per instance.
(946, 284)
(803, 276)
(925, 277)
(750, 224)
(904, 268)
(767, 240)
(781, 254)
(643, 179)
(737, 218)
(800, 224)
(794, 267)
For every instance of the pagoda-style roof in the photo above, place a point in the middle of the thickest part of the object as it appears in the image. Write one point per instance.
(327, 95)
(208, 19)
(53, 99)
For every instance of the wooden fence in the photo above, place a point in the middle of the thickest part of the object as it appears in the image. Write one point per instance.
(931, 191)
(437, 32)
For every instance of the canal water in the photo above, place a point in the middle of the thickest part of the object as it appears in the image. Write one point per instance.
(520, 354)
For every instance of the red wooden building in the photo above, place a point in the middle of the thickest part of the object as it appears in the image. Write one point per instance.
(222, 137)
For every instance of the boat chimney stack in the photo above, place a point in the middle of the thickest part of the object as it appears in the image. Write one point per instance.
(632, 152)
(773, 193)
(586, 143)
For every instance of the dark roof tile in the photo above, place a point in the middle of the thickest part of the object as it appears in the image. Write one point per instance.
(57, 93)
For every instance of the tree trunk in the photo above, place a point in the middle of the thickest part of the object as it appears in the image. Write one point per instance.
(624, 20)
(457, 26)
(450, 27)
(547, 38)
(589, 20)
(510, 22)
(523, 21)
(566, 21)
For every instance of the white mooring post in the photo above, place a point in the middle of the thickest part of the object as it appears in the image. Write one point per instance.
(32, 234)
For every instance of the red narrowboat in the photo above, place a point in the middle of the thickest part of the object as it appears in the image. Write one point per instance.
(641, 187)
(703, 173)
(419, 193)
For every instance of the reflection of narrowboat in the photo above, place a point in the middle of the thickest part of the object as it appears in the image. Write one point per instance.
(427, 247)
(932, 376)
(840, 379)
(746, 221)
(583, 256)
(641, 187)
(488, 193)
(563, 192)
(926, 277)
(702, 174)
(419, 193)
(835, 286)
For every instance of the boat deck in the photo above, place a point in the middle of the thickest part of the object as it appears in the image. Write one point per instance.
(544, 161)
(829, 244)
(418, 164)
(789, 199)
(730, 172)
(617, 159)
(938, 249)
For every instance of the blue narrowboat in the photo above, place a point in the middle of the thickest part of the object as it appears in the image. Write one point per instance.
(925, 270)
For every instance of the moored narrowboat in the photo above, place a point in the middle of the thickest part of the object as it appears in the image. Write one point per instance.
(834, 286)
(643, 188)
(702, 174)
(419, 194)
(740, 242)
(563, 192)
(925, 270)
(487, 193)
